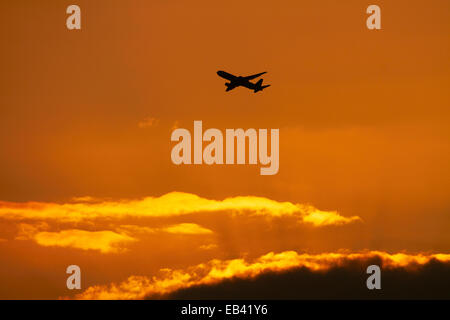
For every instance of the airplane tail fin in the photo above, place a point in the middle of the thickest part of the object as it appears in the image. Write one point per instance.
(259, 86)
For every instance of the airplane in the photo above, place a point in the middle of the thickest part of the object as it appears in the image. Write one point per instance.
(243, 81)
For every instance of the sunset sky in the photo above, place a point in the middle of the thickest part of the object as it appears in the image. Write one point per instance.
(86, 176)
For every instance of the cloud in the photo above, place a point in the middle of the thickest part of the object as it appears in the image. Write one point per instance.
(187, 228)
(27, 231)
(103, 241)
(325, 218)
(64, 224)
(84, 199)
(208, 246)
(344, 281)
(134, 229)
(168, 205)
(180, 228)
(217, 271)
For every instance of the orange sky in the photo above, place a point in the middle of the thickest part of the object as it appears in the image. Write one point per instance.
(363, 118)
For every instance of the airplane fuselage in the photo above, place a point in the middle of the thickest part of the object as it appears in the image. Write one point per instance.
(239, 81)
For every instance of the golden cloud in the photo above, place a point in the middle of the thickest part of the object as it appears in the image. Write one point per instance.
(103, 241)
(171, 204)
(208, 246)
(139, 287)
(187, 228)
(180, 228)
(27, 231)
(324, 218)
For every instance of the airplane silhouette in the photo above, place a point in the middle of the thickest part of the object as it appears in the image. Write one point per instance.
(243, 81)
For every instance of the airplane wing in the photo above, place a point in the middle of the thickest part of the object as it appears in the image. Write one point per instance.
(226, 75)
(249, 85)
(254, 76)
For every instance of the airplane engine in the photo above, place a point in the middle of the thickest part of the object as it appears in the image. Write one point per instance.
(229, 86)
